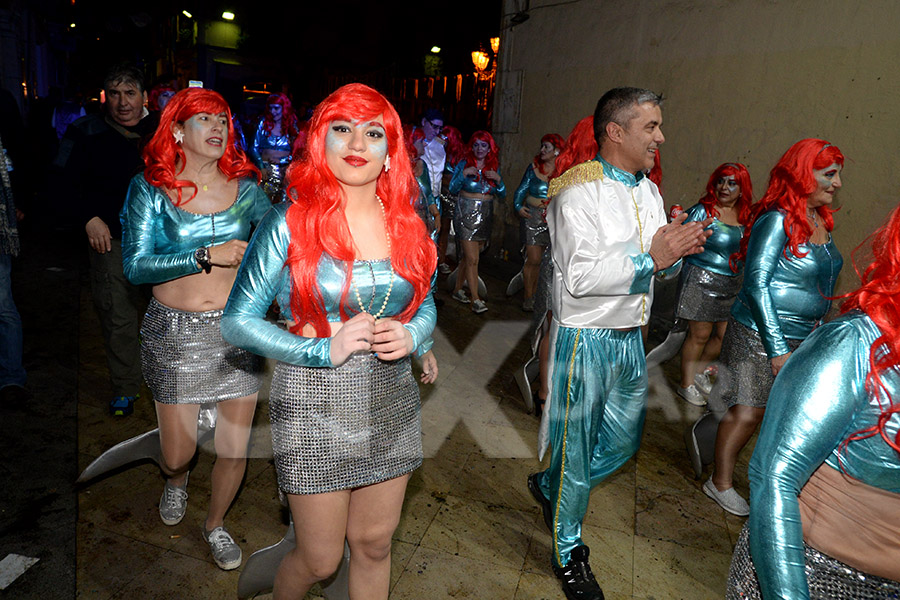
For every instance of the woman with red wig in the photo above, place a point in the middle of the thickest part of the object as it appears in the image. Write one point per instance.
(455, 151)
(791, 266)
(350, 264)
(825, 474)
(477, 182)
(273, 142)
(185, 224)
(708, 286)
(530, 202)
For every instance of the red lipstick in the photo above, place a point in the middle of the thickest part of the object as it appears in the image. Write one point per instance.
(355, 161)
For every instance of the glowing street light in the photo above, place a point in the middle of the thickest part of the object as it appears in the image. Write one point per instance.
(480, 60)
(435, 49)
(187, 14)
(228, 16)
(495, 44)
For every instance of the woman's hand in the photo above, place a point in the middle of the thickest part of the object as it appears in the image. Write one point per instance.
(777, 362)
(429, 367)
(355, 335)
(392, 340)
(492, 175)
(437, 217)
(470, 172)
(228, 254)
(524, 212)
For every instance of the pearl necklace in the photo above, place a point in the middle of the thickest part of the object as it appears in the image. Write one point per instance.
(813, 214)
(387, 296)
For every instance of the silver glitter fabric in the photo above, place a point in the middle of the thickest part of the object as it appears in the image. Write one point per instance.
(745, 375)
(345, 427)
(541, 298)
(704, 295)
(274, 185)
(536, 232)
(827, 577)
(186, 361)
(472, 219)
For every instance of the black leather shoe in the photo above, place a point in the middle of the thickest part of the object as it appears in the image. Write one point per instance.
(578, 582)
(535, 490)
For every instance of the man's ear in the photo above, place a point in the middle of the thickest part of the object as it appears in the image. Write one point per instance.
(614, 132)
(145, 97)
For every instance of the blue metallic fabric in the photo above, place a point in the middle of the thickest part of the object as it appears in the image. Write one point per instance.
(475, 184)
(266, 141)
(531, 185)
(724, 241)
(425, 199)
(615, 173)
(159, 239)
(818, 400)
(264, 277)
(784, 297)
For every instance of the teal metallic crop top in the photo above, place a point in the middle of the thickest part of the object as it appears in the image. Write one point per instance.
(475, 184)
(718, 248)
(159, 238)
(264, 276)
(531, 185)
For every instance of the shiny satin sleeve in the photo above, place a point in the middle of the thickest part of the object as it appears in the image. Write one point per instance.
(764, 249)
(254, 149)
(524, 186)
(422, 325)
(140, 262)
(810, 407)
(499, 188)
(456, 182)
(424, 181)
(244, 323)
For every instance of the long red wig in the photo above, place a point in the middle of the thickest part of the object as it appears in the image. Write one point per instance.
(742, 178)
(557, 142)
(316, 217)
(163, 155)
(580, 146)
(289, 124)
(791, 182)
(492, 160)
(879, 298)
(455, 147)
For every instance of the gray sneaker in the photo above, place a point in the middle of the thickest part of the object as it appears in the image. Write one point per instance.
(478, 306)
(701, 380)
(225, 551)
(173, 503)
(730, 500)
(691, 395)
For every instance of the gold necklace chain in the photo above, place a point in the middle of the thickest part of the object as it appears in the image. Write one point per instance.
(387, 297)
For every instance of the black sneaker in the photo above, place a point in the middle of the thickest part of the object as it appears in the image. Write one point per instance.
(535, 490)
(578, 582)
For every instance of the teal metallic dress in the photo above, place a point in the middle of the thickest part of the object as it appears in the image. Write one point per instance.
(333, 427)
(534, 188)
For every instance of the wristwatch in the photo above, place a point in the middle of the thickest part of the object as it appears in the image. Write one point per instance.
(201, 255)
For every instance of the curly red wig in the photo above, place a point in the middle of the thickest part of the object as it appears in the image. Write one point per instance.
(163, 155)
(455, 147)
(580, 146)
(879, 298)
(316, 217)
(791, 182)
(742, 178)
(492, 160)
(555, 140)
(289, 124)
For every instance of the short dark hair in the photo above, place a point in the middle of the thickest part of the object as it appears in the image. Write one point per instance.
(433, 113)
(124, 72)
(617, 106)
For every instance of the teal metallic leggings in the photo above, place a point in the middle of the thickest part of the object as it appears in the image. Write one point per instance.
(599, 398)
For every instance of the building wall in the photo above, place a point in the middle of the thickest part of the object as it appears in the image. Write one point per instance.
(743, 80)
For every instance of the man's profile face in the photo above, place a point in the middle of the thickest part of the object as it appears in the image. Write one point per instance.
(125, 103)
(432, 128)
(641, 137)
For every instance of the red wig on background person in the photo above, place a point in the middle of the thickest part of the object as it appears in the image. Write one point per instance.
(156, 92)
(317, 222)
(742, 178)
(580, 146)
(492, 160)
(165, 158)
(791, 182)
(655, 174)
(455, 147)
(557, 142)
(289, 124)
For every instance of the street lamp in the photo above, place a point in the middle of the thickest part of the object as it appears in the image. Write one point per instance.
(480, 60)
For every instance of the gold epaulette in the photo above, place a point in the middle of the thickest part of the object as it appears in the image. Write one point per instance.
(591, 170)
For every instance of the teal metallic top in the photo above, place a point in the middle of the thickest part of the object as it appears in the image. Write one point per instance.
(159, 238)
(784, 297)
(263, 277)
(264, 140)
(426, 197)
(818, 401)
(724, 241)
(475, 184)
(616, 174)
(531, 185)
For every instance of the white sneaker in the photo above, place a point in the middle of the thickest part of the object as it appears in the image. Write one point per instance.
(730, 500)
(701, 380)
(478, 306)
(691, 395)
(225, 551)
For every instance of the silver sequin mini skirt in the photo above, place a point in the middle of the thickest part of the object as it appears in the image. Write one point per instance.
(827, 577)
(745, 376)
(472, 219)
(705, 296)
(345, 427)
(186, 361)
(536, 232)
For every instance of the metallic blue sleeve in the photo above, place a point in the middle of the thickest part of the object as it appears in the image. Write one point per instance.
(500, 188)
(422, 324)
(424, 181)
(253, 151)
(140, 261)
(809, 413)
(258, 279)
(522, 190)
(456, 182)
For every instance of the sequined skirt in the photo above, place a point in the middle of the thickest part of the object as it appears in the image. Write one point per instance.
(345, 427)
(273, 186)
(185, 360)
(827, 577)
(704, 295)
(536, 232)
(472, 219)
(745, 375)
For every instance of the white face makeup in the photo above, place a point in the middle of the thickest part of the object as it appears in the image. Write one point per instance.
(163, 99)
(548, 151)
(480, 149)
(828, 182)
(205, 136)
(727, 190)
(355, 150)
(276, 110)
